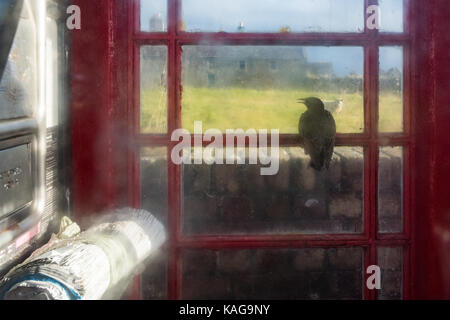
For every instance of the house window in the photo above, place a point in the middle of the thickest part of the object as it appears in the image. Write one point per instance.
(211, 62)
(211, 79)
(273, 65)
(232, 229)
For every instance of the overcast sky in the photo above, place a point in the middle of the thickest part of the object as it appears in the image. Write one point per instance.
(299, 15)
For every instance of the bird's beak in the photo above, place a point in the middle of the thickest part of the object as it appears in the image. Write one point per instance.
(301, 101)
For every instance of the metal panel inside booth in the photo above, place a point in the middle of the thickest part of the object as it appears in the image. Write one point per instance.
(16, 183)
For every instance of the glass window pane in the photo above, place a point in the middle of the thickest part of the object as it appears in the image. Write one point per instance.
(273, 16)
(154, 182)
(153, 89)
(391, 89)
(154, 15)
(18, 86)
(237, 199)
(154, 278)
(153, 172)
(258, 86)
(391, 15)
(273, 274)
(52, 79)
(390, 190)
(390, 261)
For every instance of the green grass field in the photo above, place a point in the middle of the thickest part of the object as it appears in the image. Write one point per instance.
(232, 108)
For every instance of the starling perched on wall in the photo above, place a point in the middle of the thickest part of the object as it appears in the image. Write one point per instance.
(318, 130)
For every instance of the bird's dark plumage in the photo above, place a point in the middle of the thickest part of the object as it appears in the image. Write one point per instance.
(318, 130)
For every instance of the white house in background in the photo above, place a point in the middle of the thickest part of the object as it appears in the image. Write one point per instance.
(334, 106)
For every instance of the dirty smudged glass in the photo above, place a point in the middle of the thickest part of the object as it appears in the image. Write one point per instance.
(237, 199)
(258, 86)
(153, 89)
(390, 261)
(273, 16)
(153, 180)
(391, 15)
(153, 15)
(391, 89)
(310, 274)
(390, 190)
(18, 86)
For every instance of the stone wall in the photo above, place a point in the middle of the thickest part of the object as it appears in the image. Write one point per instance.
(273, 274)
(236, 199)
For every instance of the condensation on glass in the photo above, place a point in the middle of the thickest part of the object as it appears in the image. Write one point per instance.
(391, 15)
(18, 86)
(52, 51)
(273, 16)
(153, 89)
(390, 261)
(258, 86)
(154, 278)
(237, 199)
(311, 274)
(391, 89)
(153, 172)
(390, 190)
(153, 15)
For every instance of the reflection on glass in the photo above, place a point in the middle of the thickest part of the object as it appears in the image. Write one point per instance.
(154, 278)
(153, 171)
(391, 89)
(390, 261)
(273, 16)
(257, 87)
(391, 15)
(153, 89)
(308, 274)
(18, 86)
(236, 199)
(51, 72)
(154, 15)
(390, 190)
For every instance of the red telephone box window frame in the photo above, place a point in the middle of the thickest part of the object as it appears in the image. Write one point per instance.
(370, 139)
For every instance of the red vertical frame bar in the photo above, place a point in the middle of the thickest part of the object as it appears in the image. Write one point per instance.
(406, 188)
(133, 182)
(371, 85)
(407, 89)
(406, 284)
(174, 171)
(408, 152)
(407, 216)
(411, 29)
(135, 127)
(134, 109)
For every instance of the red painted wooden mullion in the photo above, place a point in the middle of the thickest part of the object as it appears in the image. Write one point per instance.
(370, 139)
(134, 120)
(174, 171)
(409, 202)
(408, 116)
(371, 120)
(133, 182)
(290, 140)
(303, 241)
(192, 38)
(134, 108)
